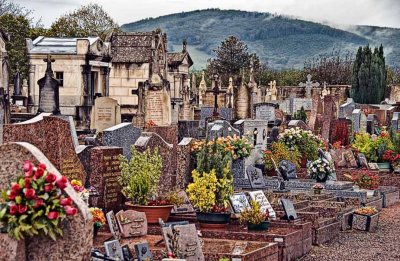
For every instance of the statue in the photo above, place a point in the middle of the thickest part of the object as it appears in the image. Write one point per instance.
(282, 177)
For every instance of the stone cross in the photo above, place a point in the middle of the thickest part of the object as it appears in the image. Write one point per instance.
(48, 60)
(309, 85)
(216, 92)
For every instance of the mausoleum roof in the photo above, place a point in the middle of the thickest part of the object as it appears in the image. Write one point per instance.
(52, 45)
(177, 58)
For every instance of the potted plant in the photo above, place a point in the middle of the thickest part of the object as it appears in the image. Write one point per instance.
(278, 153)
(212, 184)
(318, 188)
(320, 170)
(366, 180)
(139, 179)
(365, 218)
(254, 217)
(98, 219)
(35, 204)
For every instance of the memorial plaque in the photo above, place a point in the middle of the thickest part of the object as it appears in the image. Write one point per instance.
(256, 177)
(289, 209)
(132, 223)
(349, 157)
(154, 108)
(106, 113)
(289, 167)
(259, 197)
(373, 166)
(114, 249)
(186, 206)
(239, 202)
(127, 253)
(143, 252)
(113, 225)
(265, 112)
(184, 238)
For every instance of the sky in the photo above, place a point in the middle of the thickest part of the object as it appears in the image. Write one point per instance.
(385, 13)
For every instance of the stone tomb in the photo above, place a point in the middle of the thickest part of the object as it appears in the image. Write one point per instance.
(184, 163)
(76, 244)
(105, 170)
(53, 136)
(123, 135)
(132, 223)
(105, 113)
(328, 117)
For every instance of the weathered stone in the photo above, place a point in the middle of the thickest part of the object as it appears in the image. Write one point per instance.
(132, 223)
(123, 135)
(105, 113)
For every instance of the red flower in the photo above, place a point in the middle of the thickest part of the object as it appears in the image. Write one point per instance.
(13, 209)
(62, 182)
(39, 173)
(48, 187)
(15, 188)
(22, 209)
(28, 166)
(38, 203)
(52, 215)
(29, 193)
(11, 195)
(50, 178)
(42, 166)
(66, 201)
(27, 182)
(70, 211)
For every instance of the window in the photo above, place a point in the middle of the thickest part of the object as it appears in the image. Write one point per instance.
(60, 78)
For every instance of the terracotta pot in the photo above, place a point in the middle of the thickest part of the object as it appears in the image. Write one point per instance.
(153, 213)
(317, 191)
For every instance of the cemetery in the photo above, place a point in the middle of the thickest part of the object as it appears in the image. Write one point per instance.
(128, 155)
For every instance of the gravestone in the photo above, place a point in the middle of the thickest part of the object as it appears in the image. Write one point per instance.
(220, 128)
(356, 120)
(114, 250)
(113, 225)
(188, 129)
(362, 160)
(242, 102)
(372, 122)
(158, 107)
(265, 111)
(186, 206)
(346, 109)
(49, 97)
(313, 116)
(309, 85)
(143, 252)
(259, 197)
(184, 163)
(328, 117)
(105, 170)
(52, 135)
(255, 177)
(343, 158)
(183, 237)
(295, 104)
(363, 123)
(289, 168)
(395, 121)
(290, 212)
(105, 114)
(123, 135)
(239, 202)
(298, 124)
(153, 140)
(132, 223)
(70, 247)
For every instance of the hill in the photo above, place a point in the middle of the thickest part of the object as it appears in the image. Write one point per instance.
(280, 41)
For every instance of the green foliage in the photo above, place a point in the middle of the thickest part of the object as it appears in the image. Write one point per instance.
(141, 175)
(88, 20)
(300, 115)
(369, 76)
(253, 214)
(373, 148)
(278, 153)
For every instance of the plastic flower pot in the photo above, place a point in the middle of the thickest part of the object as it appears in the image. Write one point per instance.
(213, 218)
(258, 227)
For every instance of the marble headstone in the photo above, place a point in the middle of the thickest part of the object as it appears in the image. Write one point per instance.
(255, 177)
(288, 207)
(105, 113)
(259, 197)
(265, 111)
(239, 202)
(114, 250)
(132, 223)
(113, 225)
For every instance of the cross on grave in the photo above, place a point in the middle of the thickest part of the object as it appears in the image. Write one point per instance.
(48, 60)
(309, 85)
(216, 93)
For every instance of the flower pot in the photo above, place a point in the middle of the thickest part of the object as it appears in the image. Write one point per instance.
(384, 166)
(323, 177)
(153, 213)
(213, 218)
(96, 228)
(258, 227)
(317, 191)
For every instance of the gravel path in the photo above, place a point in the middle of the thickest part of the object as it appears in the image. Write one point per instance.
(382, 245)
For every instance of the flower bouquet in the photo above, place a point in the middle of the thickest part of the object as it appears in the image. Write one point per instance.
(318, 188)
(98, 219)
(366, 180)
(255, 218)
(320, 170)
(34, 205)
(80, 189)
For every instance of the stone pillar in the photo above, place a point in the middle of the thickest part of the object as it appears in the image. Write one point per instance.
(87, 83)
(31, 86)
(106, 81)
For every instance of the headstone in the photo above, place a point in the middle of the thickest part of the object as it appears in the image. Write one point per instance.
(395, 121)
(158, 107)
(239, 202)
(362, 160)
(183, 237)
(220, 128)
(143, 252)
(105, 114)
(290, 212)
(289, 168)
(113, 225)
(346, 109)
(259, 197)
(242, 102)
(256, 177)
(114, 250)
(371, 123)
(49, 91)
(188, 129)
(132, 223)
(52, 135)
(309, 85)
(363, 123)
(123, 135)
(105, 170)
(186, 206)
(313, 116)
(356, 120)
(298, 124)
(70, 246)
(184, 163)
(265, 111)
(329, 116)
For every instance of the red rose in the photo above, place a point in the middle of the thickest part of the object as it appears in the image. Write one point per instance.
(50, 178)
(27, 166)
(70, 211)
(11, 195)
(27, 182)
(22, 209)
(38, 203)
(13, 209)
(52, 215)
(62, 182)
(15, 188)
(66, 201)
(42, 166)
(29, 193)
(48, 187)
(39, 173)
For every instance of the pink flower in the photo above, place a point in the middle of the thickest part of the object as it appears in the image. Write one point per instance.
(22, 209)
(39, 173)
(29, 193)
(50, 178)
(52, 215)
(62, 182)
(11, 195)
(70, 211)
(27, 182)
(13, 209)
(66, 201)
(38, 203)
(48, 187)
(15, 187)
(28, 166)
(42, 166)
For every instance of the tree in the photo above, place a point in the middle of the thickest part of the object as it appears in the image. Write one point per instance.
(8, 7)
(300, 115)
(88, 20)
(232, 57)
(369, 76)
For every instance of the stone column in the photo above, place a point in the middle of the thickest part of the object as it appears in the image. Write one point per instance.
(31, 86)
(106, 81)
(87, 83)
